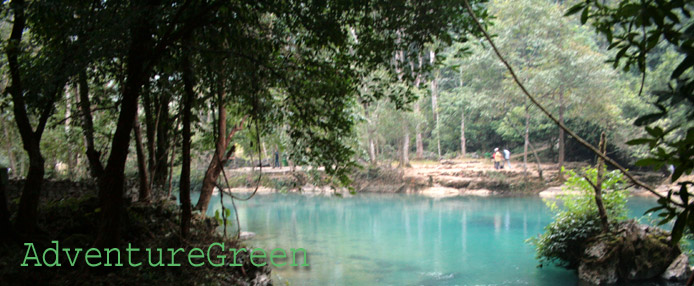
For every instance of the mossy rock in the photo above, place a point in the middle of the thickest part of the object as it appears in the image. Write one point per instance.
(634, 251)
(646, 251)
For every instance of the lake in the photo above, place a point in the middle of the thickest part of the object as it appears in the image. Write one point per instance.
(384, 239)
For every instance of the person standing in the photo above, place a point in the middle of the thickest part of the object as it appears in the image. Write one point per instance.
(498, 159)
(276, 163)
(507, 157)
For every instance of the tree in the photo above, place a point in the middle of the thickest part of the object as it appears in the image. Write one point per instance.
(635, 29)
(559, 61)
(291, 64)
(188, 97)
(50, 75)
(93, 156)
(142, 54)
(434, 85)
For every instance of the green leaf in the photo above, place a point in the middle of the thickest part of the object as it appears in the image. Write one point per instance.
(630, 10)
(690, 136)
(648, 162)
(648, 119)
(679, 170)
(690, 221)
(574, 9)
(620, 54)
(655, 131)
(652, 42)
(584, 15)
(654, 209)
(639, 141)
(684, 195)
(668, 218)
(608, 34)
(684, 65)
(678, 228)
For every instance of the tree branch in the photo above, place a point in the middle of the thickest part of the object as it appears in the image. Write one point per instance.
(551, 117)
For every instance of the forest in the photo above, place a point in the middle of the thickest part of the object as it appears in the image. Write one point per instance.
(125, 121)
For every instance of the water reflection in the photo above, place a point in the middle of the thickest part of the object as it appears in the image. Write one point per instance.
(405, 240)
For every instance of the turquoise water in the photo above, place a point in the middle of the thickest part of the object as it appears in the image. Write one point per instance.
(406, 239)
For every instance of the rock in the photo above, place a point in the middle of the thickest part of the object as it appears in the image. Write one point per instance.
(419, 181)
(494, 185)
(386, 188)
(599, 266)
(552, 192)
(245, 235)
(478, 192)
(261, 280)
(678, 270)
(634, 252)
(646, 252)
(454, 182)
(439, 192)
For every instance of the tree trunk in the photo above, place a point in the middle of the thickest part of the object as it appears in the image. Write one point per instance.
(372, 151)
(150, 127)
(28, 204)
(561, 135)
(418, 133)
(215, 166)
(5, 225)
(111, 187)
(598, 187)
(171, 165)
(81, 172)
(68, 111)
(211, 175)
(417, 110)
(434, 101)
(67, 121)
(188, 82)
(216, 163)
(145, 191)
(379, 149)
(10, 154)
(370, 134)
(399, 62)
(93, 157)
(525, 145)
(399, 155)
(406, 148)
(219, 157)
(463, 141)
(537, 160)
(264, 152)
(162, 135)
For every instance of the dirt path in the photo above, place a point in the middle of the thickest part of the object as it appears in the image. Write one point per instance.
(476, 177)
(474, 168)
(454, 177)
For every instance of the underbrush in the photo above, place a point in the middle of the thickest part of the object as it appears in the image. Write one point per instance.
(73, 223)
(576, 217)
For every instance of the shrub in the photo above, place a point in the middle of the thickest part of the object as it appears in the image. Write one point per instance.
(576, 217)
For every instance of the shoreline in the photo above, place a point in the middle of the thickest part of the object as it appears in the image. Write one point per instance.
(433, 192)
(437, 179)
